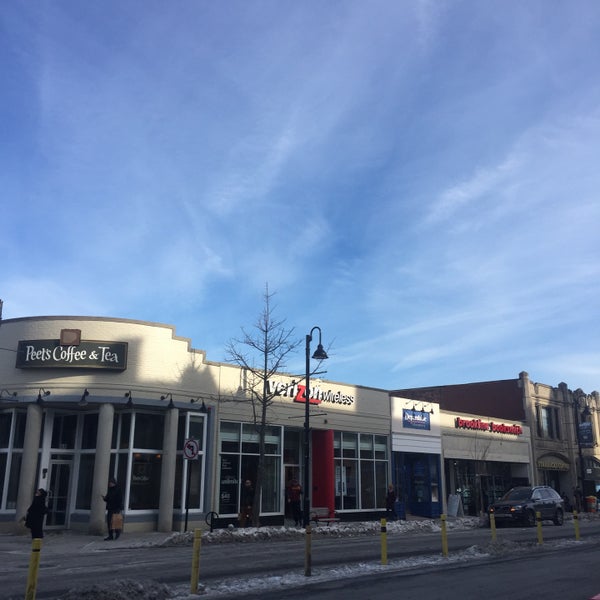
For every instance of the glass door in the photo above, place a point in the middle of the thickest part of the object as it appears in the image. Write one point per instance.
(58, 493)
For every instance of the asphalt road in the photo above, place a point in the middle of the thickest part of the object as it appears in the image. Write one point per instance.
(61, 569)
(557, 575)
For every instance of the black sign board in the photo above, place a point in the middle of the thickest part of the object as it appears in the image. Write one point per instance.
(586, 435)
(49, 354)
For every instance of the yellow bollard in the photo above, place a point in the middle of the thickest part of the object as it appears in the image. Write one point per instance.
(384, 560)
(538, 520)
(196, 561)
(308, 552)
(493, 526)
(34, 563)
(576, 523)
(444, 537)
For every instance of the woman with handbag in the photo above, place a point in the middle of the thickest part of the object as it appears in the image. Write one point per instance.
(114, 506)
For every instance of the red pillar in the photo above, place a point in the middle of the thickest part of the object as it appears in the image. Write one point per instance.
(323, 492)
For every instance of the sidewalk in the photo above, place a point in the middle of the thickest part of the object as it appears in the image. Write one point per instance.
(71, 542)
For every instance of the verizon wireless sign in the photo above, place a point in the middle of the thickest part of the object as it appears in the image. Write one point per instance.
(49, 354)
(317, 394)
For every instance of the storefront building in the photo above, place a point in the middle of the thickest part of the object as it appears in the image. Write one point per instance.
(84, 398)
(483, 458)
(560, 424)
(416, 453)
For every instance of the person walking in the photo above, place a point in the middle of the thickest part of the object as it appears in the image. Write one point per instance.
(293, 498)
(390, 502)
(246, 504)
(114, 506)
(34, 519)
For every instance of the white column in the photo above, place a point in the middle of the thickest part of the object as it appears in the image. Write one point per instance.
(31, 447)
(97, 524)
(167, 477)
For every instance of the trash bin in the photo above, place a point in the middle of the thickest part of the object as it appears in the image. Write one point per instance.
(590, 502)
(400, 510)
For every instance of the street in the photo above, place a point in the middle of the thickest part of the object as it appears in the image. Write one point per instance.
(571, 575)
(73, 561)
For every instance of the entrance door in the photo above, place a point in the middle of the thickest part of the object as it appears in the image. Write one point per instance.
(58, 494)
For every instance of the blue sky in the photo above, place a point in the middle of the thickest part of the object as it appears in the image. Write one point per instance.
(420, 179)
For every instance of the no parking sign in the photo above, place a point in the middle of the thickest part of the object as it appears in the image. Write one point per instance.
(191, 448)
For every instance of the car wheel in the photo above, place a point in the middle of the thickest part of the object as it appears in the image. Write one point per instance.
(559, 517)
(530, 518)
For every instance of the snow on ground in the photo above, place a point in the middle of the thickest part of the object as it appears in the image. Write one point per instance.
(148, 590)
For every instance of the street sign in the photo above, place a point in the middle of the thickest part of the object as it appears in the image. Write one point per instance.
(191, 449)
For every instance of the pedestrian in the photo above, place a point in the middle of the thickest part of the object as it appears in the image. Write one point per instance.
(34, 519)
(246, 504)
(390, 502)
(578, 495)
(294, 492)
(114, 506)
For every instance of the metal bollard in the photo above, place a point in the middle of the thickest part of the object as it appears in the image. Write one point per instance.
(384, 558)
(34, 564)
(196, 561)
(538, 520)
(444, 537)
(308, 552)
(576, 524)
(493, 526)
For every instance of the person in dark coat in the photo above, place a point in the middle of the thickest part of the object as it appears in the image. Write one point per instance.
(36, 513)
(294, 493)
(246, 504)
(114, 505)
(390, 501)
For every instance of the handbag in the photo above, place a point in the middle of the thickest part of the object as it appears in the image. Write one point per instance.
(116, 521)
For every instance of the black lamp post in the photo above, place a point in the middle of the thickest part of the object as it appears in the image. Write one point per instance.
(319, 354)
(579, 400)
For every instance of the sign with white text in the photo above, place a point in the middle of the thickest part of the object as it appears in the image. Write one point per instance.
(49, 354)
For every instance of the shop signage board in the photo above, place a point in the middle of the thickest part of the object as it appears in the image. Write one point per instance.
(415, 419)
(586, 435)
(49, 354)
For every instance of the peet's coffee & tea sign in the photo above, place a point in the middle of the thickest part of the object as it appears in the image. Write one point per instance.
(50, 354)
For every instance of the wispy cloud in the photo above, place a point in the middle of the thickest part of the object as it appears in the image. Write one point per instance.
(419, 180)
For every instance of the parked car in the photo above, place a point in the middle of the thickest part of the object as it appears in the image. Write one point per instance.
(520, 504)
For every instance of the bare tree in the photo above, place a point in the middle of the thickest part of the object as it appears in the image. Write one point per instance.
(262, 353)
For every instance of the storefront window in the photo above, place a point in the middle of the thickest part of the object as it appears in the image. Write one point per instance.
(189, 427)
(239, 443)
(85, 481)
(144, 491)
(19, 435)
(229, 484)
(90, 431)
(5, 423)
(13, 480)
(64, 430)
(361, 468)
(148, 431)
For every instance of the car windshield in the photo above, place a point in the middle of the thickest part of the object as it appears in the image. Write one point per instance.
(517, 494)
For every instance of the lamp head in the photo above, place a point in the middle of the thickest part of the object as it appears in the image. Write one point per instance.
(320, 353)
(41, 392)
(83, 401)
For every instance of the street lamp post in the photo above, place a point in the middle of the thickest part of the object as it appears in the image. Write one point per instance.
(319, 354)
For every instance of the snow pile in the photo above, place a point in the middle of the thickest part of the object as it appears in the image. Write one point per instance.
(341, 529)
(124, 589)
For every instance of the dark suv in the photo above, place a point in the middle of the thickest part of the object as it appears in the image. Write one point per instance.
(520, 504)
